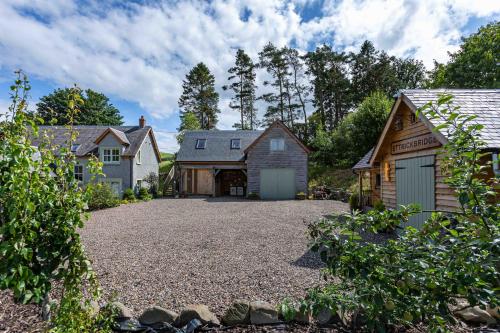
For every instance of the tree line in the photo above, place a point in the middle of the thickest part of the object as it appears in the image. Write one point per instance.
(337, 102)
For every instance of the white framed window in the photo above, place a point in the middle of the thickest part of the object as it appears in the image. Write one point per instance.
(278, 144)
(78, 171)
(139, 157)
(201, 143)
(110, 155)
(139, 184)
(235, 143)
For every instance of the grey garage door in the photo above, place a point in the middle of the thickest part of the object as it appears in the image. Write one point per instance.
(415, 184)
(277, 184)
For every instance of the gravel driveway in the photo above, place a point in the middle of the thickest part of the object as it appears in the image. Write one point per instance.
(174, 252)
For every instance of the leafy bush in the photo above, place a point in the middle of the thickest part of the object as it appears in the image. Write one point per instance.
(102, 197)
(154, 183)
(39, 240)
(378, 205)
(415, 278)
(300, 196)
(354, 203)
(129, 194)
(144, 194)
(253, 196)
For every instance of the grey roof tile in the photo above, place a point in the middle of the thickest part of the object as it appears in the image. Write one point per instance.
(482, 103)
(364, 162)
(218, 146)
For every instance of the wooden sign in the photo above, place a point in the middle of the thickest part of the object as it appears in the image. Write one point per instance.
(420, 142)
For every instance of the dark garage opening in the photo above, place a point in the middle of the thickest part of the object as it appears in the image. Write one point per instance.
(230, 183)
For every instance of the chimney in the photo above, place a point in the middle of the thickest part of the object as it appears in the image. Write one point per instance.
(142, 122)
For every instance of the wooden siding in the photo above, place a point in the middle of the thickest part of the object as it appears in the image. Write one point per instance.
(444, 196)
(261, 157)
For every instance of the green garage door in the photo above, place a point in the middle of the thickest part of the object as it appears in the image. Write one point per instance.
(277, 184)
(415, 184)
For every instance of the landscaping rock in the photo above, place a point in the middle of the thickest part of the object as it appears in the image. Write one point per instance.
(495, 313)
(196, 311)
(303, 318)
(122, 310)
(328, 317)
(157, 314)
(476, 315)
(262, 313)
(238, 313)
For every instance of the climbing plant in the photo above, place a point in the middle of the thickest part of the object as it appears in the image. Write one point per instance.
(452, 262)
(41, 209)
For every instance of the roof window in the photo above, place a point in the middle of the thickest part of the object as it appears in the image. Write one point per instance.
(201, 143)
(235, 143)
(74, 147)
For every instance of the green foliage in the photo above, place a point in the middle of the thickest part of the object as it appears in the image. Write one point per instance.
(94, 109)
(128, 194)
(167, 156)
(39, 239)
(144, 194)
(242, 77)
(253, 196)
(325, 175)
(300, 196)
(414, 278)
(200, 97)
(378, 205)
(154, 184)
(474, 65)
(354, 203)
(102, 197)
(189, 122)
(287, 310)
(165, 166)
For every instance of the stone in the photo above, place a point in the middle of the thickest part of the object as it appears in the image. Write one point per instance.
(494, 312)
(476, 315)
(263, 313)
(303, 317)
(121, 310)
(196, 311)
(328, 317)
(238, 313)
(157, 314)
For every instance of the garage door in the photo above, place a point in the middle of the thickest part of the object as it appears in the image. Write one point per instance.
(415, 184)
(277, 184)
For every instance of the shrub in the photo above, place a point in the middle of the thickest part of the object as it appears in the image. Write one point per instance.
(144, 194)
(253, 196)
(379, 205)
(154, 183)
(354, 202)
(129, 194)
(300, 196)
(102, 197)
(415, 278)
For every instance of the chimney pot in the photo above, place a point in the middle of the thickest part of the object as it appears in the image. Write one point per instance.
(142, 122)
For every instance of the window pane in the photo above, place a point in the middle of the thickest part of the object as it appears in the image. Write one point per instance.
(235, 143)
(200, 143)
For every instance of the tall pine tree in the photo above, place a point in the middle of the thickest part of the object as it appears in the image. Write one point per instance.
(199, 96)
(242, 77)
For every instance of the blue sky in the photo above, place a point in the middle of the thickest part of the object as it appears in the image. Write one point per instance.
(138, 53)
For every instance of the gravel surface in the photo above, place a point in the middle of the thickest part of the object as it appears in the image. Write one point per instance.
(174, 252)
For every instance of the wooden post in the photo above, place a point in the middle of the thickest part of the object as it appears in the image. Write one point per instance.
(360, 183)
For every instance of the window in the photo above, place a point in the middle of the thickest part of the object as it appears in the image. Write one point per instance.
(79, 173)
(413, 118)
(111, 155)
(139, 183)
(201, 143)
(235, 143)
(398, 123)
(378, 180)
(139, 161)
(74, 148)
(277, 144)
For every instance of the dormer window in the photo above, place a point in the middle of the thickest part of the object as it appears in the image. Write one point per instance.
(201, 143)
(235, 144)
(110, 155)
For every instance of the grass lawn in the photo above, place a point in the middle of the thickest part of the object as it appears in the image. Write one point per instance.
(167, 160)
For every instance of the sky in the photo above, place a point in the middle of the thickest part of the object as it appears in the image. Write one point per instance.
(138, 52)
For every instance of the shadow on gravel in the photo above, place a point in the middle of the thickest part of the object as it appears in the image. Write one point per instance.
(309, 259)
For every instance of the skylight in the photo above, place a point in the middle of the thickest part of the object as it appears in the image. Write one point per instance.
(74, 147)
(201, 143)
(235, 143)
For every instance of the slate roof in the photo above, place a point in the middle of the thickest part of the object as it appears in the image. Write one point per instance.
(483, 103)
(364, 162)
(87, 136)
(218, 146)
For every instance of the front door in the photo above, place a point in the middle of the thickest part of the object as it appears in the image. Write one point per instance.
(415, 184)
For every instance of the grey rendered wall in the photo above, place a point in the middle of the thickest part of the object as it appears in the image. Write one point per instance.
(149, 162)
(121, 170)
(261, 156)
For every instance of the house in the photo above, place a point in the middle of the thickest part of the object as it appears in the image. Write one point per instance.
(405, 165)
(128, 153)
(270, 163)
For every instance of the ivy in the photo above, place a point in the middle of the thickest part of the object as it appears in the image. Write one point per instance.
(41, 209)
(421, 275)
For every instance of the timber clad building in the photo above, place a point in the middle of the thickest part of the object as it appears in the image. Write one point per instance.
(271, 164)
(405, 165)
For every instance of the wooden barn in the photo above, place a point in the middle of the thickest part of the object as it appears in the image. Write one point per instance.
(405, 165)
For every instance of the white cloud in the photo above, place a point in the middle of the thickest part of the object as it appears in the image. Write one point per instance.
(166, 141)
(141, 53)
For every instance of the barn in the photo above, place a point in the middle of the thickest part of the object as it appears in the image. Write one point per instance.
(405, 165)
